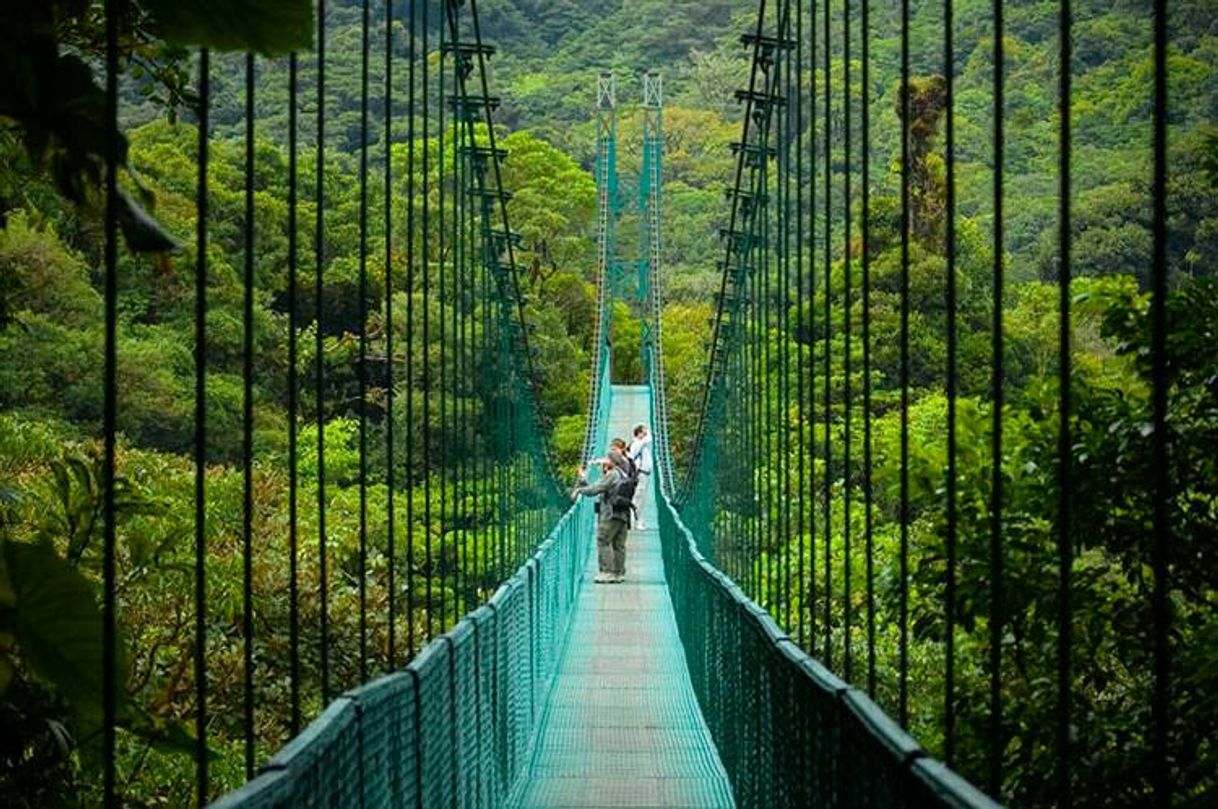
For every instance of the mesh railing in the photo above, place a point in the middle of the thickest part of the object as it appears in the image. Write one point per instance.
(788, 731)
(455, 726)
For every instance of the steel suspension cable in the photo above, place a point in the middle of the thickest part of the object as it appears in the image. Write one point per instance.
(363, 345)
(390, 417)
(1065, 539)
(949, 652)
(784, 329)
(109, 678)
(765, 425)
(200, 437)
(903, 610)
(750, 447)
(428, 565)
(247, 432)
(410, 477)
(458, 332)
(997, 617)
(827, 284)
(441, 324)
(847, 295)
(800, 281)
(293, 404)
(1161, 527)
(813, 168)
(319, 257)
(868, 516)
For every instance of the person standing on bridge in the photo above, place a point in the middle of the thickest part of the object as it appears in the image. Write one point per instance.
(639, 453)
(612, 523)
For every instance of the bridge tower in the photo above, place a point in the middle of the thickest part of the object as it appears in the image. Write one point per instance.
(607, 209)
(651, 192)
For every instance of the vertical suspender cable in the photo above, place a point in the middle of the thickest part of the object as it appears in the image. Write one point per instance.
(866, 335)
(110, 419)
(494, 463)
(766, 428)
(458, 454)
(441, 287)
(467, 260)
(784, 459)
(812, 335)
(495, 318)
(801, 448)
(200, 448)
(847, 303)
(1065, 547)
(949, 652)
(363, 349)
(390, 448)
(293, 408)
(247, 424)
(827, 283)
(319, 252)
(1160, 551)
(426, 336)
(409, 353)
(903, 609)
(748, 349)
(750, 556)
(997, 617)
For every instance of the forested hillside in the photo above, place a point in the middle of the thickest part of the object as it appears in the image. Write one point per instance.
(549, 54)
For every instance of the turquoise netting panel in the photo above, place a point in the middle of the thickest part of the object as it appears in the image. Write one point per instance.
(454, 728)
(789, 733)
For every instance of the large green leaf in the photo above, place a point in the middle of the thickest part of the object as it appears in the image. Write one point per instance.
(58, 625)
(264, 26)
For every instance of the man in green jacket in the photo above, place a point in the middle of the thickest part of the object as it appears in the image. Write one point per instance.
(611, 527)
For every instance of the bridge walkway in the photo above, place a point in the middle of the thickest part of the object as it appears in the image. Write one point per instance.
(621, 726)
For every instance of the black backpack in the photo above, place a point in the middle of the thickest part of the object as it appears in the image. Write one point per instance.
(621, 502)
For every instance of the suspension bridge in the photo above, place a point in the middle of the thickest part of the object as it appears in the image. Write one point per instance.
(507, 678)
(673, 689)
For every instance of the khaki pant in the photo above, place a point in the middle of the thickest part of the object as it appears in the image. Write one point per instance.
(642, 494)
(611, 546)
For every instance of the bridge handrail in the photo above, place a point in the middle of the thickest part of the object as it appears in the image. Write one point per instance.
(788, 731)
(459, 720)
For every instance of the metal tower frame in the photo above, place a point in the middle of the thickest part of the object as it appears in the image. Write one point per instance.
(651, 195)
(607, 209)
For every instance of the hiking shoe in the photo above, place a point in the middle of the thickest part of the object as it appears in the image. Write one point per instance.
(618, 579)
(603, 578)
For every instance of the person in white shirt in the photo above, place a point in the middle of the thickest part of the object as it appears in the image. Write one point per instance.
(639, 452)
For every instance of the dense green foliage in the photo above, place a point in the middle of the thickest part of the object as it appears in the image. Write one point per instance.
(550, 53)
